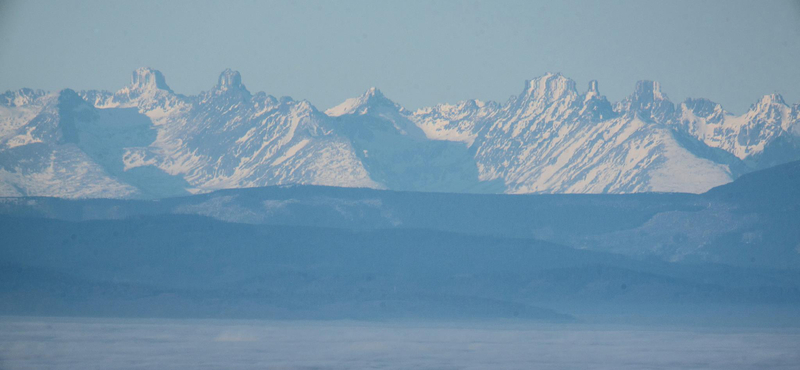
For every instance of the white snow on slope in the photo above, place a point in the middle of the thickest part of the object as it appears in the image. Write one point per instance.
(146, 140)
(743, 136)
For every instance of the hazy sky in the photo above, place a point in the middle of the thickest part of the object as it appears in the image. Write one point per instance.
(417, 53)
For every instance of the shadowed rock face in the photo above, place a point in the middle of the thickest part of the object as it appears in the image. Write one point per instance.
(229, 79)
(147, 79)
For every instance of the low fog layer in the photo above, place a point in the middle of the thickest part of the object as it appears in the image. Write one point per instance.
(238, 345)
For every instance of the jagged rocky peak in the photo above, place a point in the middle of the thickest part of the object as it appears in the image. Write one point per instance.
(648, 103)
(21, 97)
(648, 91)
(593, 87)
(230, 80)
(145, 78)
(550, 87)
(702, 107)
(594, 90)
(596, 105)
(771, 108)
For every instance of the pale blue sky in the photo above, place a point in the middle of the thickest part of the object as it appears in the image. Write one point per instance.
(417, 53)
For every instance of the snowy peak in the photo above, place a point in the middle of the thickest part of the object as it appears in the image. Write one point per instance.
(549, 87)
(372, 98)
(750, 135)
(769, 105)
(456, 122)
(771, 110)
(694, 109)
(148, 79)
(148, 89)
(771, 99)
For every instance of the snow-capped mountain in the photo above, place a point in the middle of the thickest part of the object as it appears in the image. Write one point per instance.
(398, 154)
(147, 141)
(551, 138)
(769, 123)
(46, 152)
(227, 137)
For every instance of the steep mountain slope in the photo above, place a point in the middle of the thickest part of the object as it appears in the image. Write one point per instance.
(566, 142)
(747, 136)
(60, 145)
(396, 152)
(146, 141)
(229, 138)
(551, 138)
(459, 122)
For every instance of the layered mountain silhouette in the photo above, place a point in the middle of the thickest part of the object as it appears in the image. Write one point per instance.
(729, 255)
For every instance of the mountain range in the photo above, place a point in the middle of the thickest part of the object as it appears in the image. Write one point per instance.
(146, 141)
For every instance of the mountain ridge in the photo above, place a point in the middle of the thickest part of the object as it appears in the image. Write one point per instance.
(551, 138)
